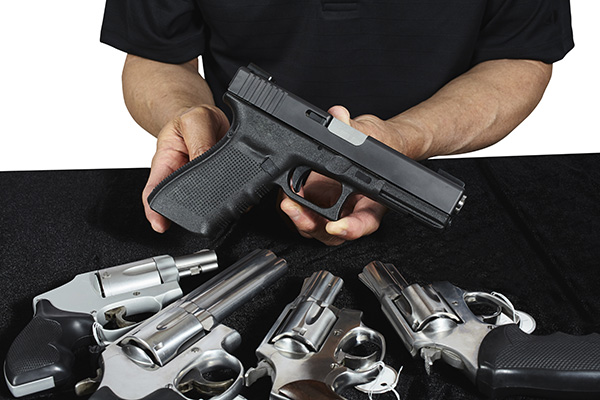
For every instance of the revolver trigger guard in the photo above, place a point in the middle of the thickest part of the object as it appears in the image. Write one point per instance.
(362, 349)
(347, 377)
(195, 380)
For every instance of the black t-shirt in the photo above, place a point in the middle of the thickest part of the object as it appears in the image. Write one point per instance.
(372, 56)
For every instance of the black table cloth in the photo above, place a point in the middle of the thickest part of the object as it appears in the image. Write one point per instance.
(528, 230)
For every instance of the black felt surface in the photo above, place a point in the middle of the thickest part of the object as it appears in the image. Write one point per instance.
(529, 230)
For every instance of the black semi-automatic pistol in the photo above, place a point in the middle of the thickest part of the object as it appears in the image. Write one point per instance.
(278, 138)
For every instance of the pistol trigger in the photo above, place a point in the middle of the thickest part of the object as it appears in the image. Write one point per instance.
(299, 177)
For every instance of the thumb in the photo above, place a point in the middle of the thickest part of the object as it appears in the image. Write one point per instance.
(341, 113)
(201, 128)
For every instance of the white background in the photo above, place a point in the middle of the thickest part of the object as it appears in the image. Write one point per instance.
(62, 106)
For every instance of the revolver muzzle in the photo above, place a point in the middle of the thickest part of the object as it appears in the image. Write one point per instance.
(310, 319)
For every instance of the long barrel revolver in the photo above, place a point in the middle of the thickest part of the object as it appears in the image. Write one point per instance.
(183, 351)
(436, 321)
(315, 350)
(278, 138)
(94, 307)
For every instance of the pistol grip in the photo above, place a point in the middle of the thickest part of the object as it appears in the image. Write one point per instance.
(209, 193)
(43, 355)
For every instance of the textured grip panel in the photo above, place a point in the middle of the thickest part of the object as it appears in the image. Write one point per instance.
(193, 192)
(31, 350)
(212, 191)
(46, 347)
(512, 362)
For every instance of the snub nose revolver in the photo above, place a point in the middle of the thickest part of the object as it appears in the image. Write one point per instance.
(93, 308)
(182, 352)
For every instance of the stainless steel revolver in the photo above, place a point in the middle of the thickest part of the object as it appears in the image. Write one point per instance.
(183, 351)
(314, 350)
(94, 308)
(437, 321)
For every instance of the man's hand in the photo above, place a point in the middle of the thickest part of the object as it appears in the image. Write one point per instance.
(361, 216)
(472, 111)
(181, 140)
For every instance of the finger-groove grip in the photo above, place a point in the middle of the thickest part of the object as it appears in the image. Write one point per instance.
(46, 349)
(561, 365)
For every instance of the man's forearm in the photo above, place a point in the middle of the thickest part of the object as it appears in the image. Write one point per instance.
(474, 110)
(155, 93)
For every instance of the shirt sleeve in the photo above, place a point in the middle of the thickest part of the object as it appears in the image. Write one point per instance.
(169, 31)
(525, 29)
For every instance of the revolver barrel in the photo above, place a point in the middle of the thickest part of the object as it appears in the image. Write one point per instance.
(161, 338)
(310, 318)
(193, 264)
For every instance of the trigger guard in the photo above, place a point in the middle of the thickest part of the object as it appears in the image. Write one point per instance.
(332, 213)
(209, 361)
(358, 337)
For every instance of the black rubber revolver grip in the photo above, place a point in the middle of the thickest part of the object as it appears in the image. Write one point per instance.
(559, 365)
(44, 354)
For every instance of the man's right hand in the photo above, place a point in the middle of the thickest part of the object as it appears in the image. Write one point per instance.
(184, 138)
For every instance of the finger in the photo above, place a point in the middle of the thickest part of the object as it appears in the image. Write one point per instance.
(364, 220)
(201, 128)
(341, 113)
(171, 153)
(163, 164)
(308, 223)
(159, 223)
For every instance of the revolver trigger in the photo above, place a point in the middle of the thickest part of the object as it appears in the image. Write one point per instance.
(196, 383)
(89, 385)
(117, 315)
(261, 370)
(299, 177)
(430, 355)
